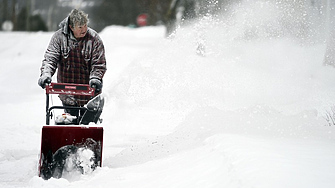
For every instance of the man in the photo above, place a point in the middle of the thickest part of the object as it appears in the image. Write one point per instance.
(77, 52)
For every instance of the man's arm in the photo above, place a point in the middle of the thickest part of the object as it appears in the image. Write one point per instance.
(51, 56)
(98, 62)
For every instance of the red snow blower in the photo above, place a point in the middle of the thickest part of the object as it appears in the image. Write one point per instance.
(71, 145)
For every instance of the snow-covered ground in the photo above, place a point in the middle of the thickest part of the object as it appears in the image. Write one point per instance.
(246, 113)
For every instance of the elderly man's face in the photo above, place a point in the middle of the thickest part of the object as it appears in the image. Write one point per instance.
(79, 31)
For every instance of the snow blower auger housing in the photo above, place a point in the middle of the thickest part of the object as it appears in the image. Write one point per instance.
(73, 146)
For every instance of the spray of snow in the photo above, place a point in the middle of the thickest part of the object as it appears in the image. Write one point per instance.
(79, 163)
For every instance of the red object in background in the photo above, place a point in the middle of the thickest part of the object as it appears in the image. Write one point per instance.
(142, 20)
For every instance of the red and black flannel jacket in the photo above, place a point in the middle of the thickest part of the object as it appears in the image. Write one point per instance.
(76, 61)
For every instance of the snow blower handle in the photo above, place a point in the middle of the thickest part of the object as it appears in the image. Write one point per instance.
(69, 89)
(66, 89)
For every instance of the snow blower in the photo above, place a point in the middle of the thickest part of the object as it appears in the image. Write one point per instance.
(71, 144)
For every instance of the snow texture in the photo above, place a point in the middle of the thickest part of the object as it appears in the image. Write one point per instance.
(79, 163)
(249, 111)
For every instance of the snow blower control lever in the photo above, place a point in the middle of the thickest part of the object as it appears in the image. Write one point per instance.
(66, 89)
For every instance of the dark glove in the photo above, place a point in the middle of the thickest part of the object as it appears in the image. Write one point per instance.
(44, 79)
(96, 83)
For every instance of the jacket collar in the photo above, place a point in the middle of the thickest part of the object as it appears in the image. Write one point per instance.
(64, 26)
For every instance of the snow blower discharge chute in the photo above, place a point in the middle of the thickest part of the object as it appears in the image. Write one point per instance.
(71, 145)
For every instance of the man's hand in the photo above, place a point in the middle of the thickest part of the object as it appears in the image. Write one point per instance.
(44, 79)
(96, 83)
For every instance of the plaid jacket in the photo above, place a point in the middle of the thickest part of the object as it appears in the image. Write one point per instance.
(77, 61)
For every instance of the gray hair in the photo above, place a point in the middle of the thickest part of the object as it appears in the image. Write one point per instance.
(77, 18)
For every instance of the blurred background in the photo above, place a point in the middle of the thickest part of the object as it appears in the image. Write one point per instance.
(45, 15)
(309, 20)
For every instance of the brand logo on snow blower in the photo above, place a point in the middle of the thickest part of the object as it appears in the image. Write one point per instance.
(70, 87)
